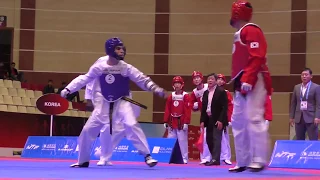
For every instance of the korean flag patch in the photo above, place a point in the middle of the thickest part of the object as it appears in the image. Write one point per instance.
(254, 45)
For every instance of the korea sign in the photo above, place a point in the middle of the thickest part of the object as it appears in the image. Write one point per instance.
(52, 104)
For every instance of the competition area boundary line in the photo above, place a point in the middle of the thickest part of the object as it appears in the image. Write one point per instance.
(153, 13)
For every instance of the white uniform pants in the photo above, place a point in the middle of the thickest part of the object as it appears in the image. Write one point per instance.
(123, 110)
(205, 156)
(107, 147)
(248, 125)
(225, 146)
(182, 136)
(118, 133)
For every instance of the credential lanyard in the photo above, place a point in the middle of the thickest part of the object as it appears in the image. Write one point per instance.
(306, 93)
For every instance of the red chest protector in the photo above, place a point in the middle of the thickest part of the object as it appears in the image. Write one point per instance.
(177, 106)
(240, 54)
(177, 110)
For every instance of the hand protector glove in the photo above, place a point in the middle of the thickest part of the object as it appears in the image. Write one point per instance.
(246, 87)
(185, 127)
(195, 105)
(64, 93)
(165, 125)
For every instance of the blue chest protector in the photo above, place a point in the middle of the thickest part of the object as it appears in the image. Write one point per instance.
(114, 86)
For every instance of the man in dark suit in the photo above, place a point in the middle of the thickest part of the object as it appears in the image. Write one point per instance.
(214, 117)
(305, 107)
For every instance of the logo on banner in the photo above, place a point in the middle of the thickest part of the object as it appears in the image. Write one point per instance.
(121, 148)
(66, 148)
(52, 104)
(32, 146)
(296, 154)
(49, 147)
(158, 150)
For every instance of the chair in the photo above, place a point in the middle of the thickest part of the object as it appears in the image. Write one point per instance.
(1, 83)
(74, 113)
(33, 102)
(8, 83)
(12, 108)
(17, 101)
(13, 91)
(16, 84)
(1, 99)
(22, 92)
(30, 93)
(82, 114)
(7, 100)
(26, 101)
(3, 107)
(38, 94)
(31, 110)
(22, 109)
(4, 91)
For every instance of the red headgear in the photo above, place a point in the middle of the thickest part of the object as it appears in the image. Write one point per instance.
(241, 10)
(177, 79)
(222, 77)
(197, 73)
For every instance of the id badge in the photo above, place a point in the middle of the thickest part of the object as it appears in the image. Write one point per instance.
(303, 105)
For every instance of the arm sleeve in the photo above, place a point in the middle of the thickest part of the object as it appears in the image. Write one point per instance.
(204, 116)
(88, 91)
(187, 109)
(253, 37)
(230, 105)
(167, 111)
(293, 104)
(80, 81)
(268, 109)
(193, 99)
(224, 102)
(143, 81)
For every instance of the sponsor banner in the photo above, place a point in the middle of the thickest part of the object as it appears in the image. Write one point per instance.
(52, 104)
(51, 147)
(163, 149)
(296, 154)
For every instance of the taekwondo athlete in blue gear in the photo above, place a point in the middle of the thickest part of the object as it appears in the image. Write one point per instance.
(118, 133)
(111, 77)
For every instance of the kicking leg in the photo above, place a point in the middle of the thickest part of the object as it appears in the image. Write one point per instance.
(134, 132)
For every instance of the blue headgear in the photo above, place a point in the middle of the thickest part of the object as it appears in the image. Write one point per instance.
(110, 46)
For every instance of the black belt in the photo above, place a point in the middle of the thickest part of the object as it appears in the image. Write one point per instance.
(110, 115)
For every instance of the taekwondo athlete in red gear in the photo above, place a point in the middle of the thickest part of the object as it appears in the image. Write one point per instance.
(111, 78)
(225, 141)
(196, 104)
(252, 83)
(177, 116)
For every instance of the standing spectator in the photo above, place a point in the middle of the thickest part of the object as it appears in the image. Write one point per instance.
(305, 107)
(48, 88)
(214, 117)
